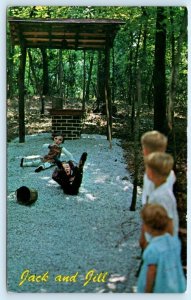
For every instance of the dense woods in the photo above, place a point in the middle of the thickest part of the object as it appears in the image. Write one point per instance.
(149, 38)
(147, 86)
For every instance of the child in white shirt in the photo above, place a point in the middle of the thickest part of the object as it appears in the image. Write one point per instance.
(158, 167)
(154, 141)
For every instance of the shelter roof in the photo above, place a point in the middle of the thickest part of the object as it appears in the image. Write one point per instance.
(76, 34)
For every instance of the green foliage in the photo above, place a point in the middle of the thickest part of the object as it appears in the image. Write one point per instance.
(133, 46)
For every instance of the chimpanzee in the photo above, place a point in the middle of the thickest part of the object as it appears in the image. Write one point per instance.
(69, 175)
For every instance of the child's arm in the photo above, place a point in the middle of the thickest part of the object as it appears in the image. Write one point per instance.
(58, 163)
(144, 191)
(170, 227)
(45, 146)
(150, 281)
(142, 241)
(68, 154)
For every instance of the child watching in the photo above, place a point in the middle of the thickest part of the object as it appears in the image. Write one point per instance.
(158, 167)
(47, 161)
(154, 141)
(161, 271)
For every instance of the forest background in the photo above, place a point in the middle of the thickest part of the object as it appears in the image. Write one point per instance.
(148, 84)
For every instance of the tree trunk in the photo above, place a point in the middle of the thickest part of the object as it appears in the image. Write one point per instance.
(108, 96)
(45, 88)
(72, 71)
(130, 71)
(37, 82)
(174, 78)
(89, 77)
(10, 65)
(145, 76)
(150, 93)
(101, 79)
(136, 140)
(113, 77)
(134, 90)
(172, 38)
(21, 84)
(160, 123)
(60, 74)
(132, 115)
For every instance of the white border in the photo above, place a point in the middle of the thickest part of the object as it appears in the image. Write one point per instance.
(3, 6)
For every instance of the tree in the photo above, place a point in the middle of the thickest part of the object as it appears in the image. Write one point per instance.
(174, 76)
(100, 79)
(160, 123)
(147, 30)
(136, 140)
(45, 88)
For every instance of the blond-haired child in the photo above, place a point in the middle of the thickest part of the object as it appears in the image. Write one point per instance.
(161, 271)
(158, 166)
(154, 141)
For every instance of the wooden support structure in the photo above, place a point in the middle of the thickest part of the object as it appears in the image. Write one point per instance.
(71, 34)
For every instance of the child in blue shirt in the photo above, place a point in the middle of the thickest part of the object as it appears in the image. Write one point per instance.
(161, 271)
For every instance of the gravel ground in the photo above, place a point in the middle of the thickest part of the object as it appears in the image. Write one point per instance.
(71, 235)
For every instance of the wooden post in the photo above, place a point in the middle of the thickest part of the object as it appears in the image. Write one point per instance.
(21, 85)
(107, 95)
(84, 82)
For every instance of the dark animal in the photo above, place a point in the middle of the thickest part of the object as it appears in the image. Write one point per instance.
(71, 182)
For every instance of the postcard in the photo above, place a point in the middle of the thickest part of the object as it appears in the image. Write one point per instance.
(96, 149)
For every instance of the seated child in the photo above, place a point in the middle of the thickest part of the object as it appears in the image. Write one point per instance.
(161, 271)
(47, 161)
(154, 141)
(68, 175)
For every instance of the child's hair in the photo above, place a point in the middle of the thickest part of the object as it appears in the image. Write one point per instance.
(160, 163)
(155, 216)
(154, 141)
(54, 134)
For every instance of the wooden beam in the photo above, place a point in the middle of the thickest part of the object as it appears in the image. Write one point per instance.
(78, 29)
(58, 45)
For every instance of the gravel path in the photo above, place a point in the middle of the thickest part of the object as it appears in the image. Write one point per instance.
(71, 235)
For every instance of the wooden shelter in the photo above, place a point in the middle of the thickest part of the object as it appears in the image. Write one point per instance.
(74, 34)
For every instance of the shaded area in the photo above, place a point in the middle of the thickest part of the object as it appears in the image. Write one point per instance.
(63, 234)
